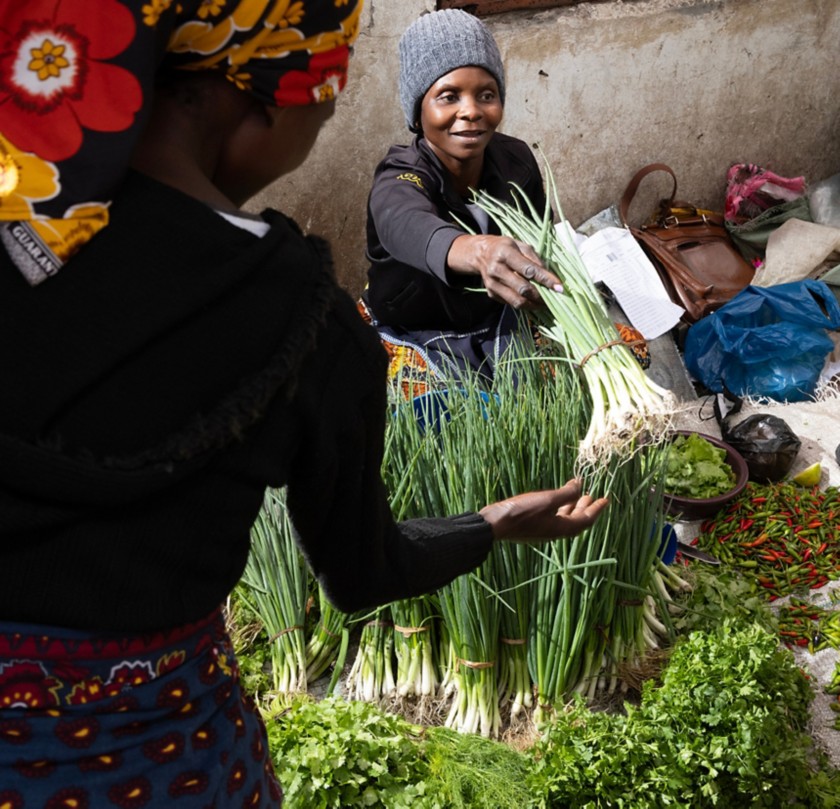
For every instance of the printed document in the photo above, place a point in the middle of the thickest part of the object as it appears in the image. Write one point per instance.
(613, 255)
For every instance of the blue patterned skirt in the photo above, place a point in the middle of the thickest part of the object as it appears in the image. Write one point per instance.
(90, 722)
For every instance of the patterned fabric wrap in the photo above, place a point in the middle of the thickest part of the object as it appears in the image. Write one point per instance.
(147, 721)
(414, 371)
(77, 78)
(407, 367)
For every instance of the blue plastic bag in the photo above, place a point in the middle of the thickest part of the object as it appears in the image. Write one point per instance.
(766, 342)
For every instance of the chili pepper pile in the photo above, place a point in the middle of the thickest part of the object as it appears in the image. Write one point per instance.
(785, 535)
(800, 622)
(834, 688)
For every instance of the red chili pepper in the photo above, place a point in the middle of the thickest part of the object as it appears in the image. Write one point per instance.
(822, 548)
(756, 542)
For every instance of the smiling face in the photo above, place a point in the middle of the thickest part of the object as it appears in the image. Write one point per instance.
(458, 116)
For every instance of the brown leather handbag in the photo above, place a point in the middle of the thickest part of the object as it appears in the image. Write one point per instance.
(691, 249)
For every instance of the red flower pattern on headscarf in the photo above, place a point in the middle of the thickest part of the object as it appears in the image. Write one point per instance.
(54, 80)
(324, 80)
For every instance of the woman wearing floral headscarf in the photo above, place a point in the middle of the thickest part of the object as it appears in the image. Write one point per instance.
(166, 357)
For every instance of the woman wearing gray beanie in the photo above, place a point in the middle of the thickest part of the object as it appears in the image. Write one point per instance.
(424, 267)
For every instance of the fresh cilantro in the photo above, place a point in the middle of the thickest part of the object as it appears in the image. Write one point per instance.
(334, 754)
(725, 727)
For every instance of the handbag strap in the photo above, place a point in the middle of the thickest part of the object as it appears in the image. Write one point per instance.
(633, 186)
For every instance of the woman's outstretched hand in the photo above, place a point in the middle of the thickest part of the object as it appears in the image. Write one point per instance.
(543, 515)
(509, 269)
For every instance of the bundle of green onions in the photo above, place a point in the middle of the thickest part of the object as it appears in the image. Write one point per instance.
(626, 403)
(325, 642)
(276, 582)
(371, 676)
(414, 647)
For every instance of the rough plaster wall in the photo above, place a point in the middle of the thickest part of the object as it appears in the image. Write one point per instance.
(604, 88)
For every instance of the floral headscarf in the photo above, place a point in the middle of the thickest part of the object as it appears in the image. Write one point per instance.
(76, 82)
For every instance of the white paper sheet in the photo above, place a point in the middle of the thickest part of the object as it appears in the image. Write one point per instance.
(613, 256)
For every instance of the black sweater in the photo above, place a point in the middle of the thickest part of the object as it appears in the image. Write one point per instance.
(154, 388)
(413, 215)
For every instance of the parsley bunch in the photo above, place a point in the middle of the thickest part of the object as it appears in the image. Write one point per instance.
(726, 727)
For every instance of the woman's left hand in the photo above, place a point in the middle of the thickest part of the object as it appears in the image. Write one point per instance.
(544, 515)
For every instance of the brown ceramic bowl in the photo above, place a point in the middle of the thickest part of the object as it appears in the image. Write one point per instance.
(690, 508)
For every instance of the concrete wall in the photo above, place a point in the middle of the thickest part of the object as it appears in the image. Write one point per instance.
(604, 88)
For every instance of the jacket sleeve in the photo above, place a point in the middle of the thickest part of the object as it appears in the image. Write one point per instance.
(408, 219)
(336, 495)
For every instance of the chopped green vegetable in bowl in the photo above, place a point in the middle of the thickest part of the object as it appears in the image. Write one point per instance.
(703, 474)
(697, 468)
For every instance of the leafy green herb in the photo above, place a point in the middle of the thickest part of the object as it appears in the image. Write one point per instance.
(696, 468)
(468, 771)
(718, 594)
(727, 727)
(335, 754)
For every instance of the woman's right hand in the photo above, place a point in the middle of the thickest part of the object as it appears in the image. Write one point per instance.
(544, 515)
(509, 269)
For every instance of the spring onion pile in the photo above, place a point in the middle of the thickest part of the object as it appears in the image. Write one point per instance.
(532, 625)
(517, 637)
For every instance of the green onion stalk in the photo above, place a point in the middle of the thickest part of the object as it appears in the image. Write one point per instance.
(457, 476)
(565, 636)
(471, 616)
(406, 443)
(439, 467)
(641, 622)
(371, 677)
(522, 443)
(413, 622)
(512, 567)
(632, 527)
(275, 586)
(326, 638)
(626, 403)
(536, 436)
(413, 619)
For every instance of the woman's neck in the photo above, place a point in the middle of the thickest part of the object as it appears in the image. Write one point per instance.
(465, 176)
(181, 144)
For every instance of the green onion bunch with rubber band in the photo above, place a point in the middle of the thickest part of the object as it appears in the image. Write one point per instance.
(626, 403)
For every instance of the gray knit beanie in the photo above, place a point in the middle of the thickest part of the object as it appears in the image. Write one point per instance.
(437, 43)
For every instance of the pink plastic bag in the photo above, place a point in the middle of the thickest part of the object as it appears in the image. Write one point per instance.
(750, 190)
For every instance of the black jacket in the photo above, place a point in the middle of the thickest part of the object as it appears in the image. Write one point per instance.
(411, 224)
(154, 388)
